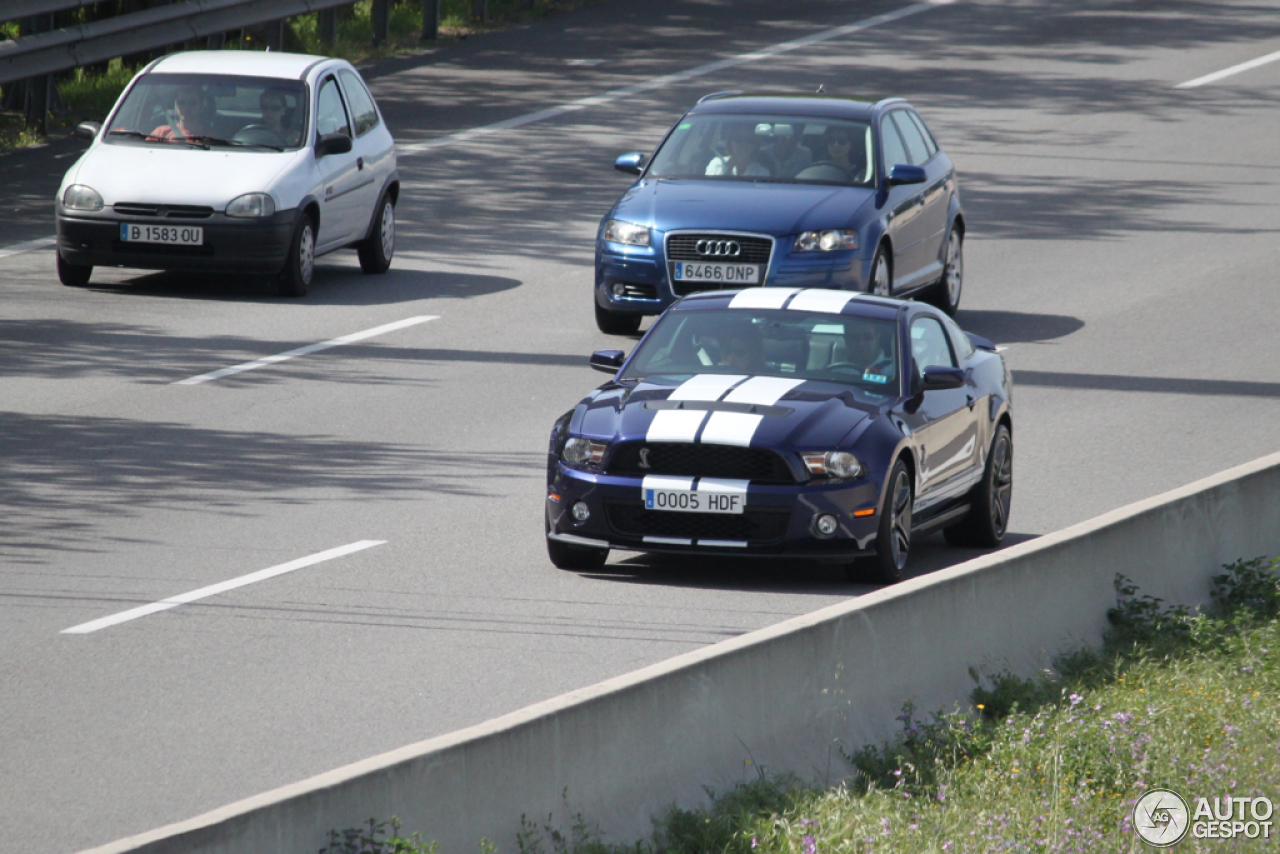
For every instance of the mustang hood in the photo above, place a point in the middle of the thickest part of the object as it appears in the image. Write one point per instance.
(669, 204)
(768, 412)
(177, 174)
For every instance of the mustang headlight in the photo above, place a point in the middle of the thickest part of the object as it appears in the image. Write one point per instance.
(78, 197)
(626, 232)
(834, 464)
(826, 241)
(580, 451)
(252, 205)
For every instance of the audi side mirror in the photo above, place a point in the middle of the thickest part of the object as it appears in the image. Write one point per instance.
(630, 163)
(608, 361)
(905, 174)
(941, 377)
(87, 130)
(333, 143)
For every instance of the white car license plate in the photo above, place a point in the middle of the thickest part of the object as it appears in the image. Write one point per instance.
(179, 235)
(689, 501)
(724, 274)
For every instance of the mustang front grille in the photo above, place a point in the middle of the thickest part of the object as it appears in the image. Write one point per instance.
(756, 525)
(757, 465)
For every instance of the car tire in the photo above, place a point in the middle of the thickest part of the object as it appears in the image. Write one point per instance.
(73, 275)
(616, 322)
(881, 281)
(988, 518)
(565, 556)
(893, 535)
(300, 265)
(946, 293)
(377, 249)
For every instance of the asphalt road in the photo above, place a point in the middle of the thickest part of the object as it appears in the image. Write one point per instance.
(1122, 247)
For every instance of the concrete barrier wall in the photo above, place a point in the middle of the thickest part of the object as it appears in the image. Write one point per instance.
(783, 696)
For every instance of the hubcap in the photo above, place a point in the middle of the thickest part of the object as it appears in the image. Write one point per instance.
(880, 277)
(1001, 485)
(306, 254)
(901, 532)
(388, 230)
(955, 268)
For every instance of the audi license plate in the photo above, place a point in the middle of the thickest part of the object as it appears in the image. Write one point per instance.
(721, 274)
(178, 235)
(689, 501)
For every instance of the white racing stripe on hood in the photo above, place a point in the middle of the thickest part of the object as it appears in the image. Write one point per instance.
(761, 297)
(677, 425)
(737, 428)
(666, 481)
(722, 485)
(831, 302)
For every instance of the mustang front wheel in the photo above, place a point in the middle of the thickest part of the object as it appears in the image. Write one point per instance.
(893, 537)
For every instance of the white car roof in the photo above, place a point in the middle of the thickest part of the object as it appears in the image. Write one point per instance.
(250, 63)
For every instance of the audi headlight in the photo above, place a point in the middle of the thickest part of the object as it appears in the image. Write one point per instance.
(252, 205)
(78, 197)
(580, 451)
(826, 241)
(840, 464)
(629, 233)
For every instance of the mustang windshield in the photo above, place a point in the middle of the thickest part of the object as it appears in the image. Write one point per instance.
(786, 149)
(211, 110)
(773, 343)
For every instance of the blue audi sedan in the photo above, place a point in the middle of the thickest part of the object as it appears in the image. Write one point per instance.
(787, 423)
(811, 192)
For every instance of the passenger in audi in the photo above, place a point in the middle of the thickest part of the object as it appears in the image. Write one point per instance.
(744, 155)
(787, 151)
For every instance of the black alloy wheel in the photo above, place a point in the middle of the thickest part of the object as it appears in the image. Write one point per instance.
(616, 322)
(377, 249)
(565, 556)
(893, 536)
(73, 275)
(881, 283)
(946, 293)
(988, 517)
(300, 264)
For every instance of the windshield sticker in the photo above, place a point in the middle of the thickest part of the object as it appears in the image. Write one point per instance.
(683, 126)
(875, 378)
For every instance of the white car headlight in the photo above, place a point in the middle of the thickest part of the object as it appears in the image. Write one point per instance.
(630, 233)
(579, 451)
(252, 205)
(78, 197)
(834, 464)
(826, 241)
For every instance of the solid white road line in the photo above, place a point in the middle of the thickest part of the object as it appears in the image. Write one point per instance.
(223, 587)
(302, 351)
(28, 246)
(670, 79)
(1227, 72)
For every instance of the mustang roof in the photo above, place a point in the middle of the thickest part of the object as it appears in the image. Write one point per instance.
(807, 299)
(835, 108)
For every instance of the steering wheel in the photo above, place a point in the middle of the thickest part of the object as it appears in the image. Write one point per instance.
(258, 134)
(843, 366)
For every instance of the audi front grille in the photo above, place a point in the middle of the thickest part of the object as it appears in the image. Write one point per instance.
(725, 248)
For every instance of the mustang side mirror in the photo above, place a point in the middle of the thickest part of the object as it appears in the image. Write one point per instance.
(629, 163)
(333, 143)
(608, 360)
(87, 130)
(940, 376)
(905, 174)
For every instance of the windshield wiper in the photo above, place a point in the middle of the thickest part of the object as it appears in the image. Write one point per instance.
(146, 137)
(239, 144)
(133, 133)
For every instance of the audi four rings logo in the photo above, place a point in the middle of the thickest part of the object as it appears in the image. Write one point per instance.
(723, 248)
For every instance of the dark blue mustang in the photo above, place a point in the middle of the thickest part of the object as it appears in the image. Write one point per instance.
(789, 191)
(787, 422)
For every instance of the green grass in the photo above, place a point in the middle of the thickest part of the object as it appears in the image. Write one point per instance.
(1173, 699)
(89, 97)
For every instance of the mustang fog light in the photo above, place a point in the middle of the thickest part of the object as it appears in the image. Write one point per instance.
(78, 197)
(825, 525)
(581, 512)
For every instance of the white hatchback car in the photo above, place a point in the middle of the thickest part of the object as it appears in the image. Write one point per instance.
(232, 161)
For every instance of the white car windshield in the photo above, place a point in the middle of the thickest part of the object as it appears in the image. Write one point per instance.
(788, 149)
(211, 110)
(776, 343)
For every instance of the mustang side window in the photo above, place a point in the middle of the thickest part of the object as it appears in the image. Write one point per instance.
(929, 345)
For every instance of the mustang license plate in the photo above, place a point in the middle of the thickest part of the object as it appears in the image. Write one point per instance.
(178, 235)
(723, 274)
(690, 501)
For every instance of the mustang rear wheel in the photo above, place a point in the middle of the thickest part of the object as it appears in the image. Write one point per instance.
(893, 537)
(616, 322)
(565, 556)
(988, 517)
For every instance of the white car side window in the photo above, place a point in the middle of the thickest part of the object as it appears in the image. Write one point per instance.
(331, 114)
